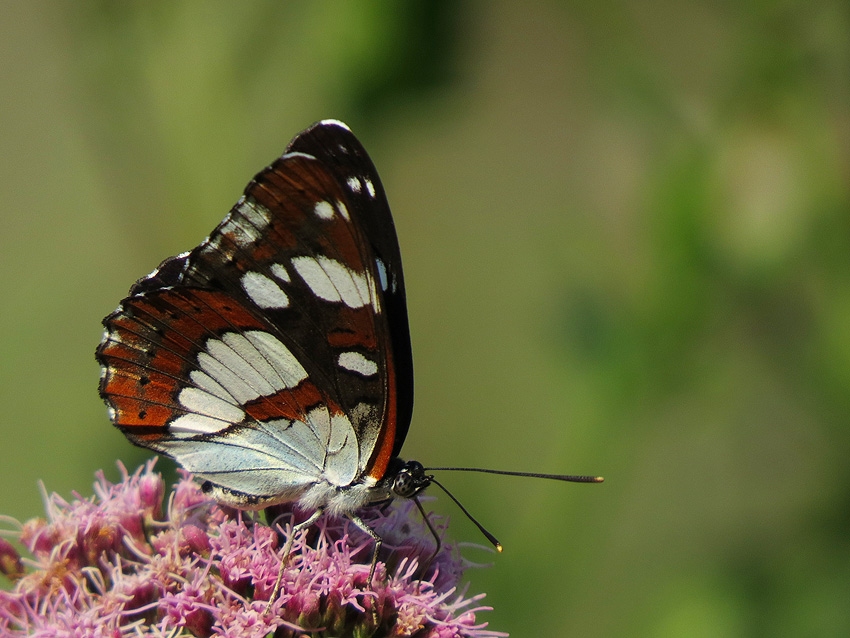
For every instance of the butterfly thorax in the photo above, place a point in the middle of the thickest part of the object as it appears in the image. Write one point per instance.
(403, 479)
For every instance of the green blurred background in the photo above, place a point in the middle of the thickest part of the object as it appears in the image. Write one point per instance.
(627, 249)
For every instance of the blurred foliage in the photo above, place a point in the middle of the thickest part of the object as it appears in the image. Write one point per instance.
(627, 248)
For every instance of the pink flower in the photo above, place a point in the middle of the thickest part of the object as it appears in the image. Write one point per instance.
(115, 565)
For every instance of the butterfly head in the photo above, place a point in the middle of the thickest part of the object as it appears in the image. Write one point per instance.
(410, 479)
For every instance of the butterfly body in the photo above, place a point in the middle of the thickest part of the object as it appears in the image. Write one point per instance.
(273, 360)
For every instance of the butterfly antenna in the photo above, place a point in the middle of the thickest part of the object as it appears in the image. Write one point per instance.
(487, 534)
(555, 477)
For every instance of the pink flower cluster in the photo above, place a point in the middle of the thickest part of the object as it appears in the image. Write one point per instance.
(116, 565)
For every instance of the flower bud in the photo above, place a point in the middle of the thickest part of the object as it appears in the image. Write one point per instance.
(10, 561)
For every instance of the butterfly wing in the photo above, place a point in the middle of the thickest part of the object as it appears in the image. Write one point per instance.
(270, 358)
(338, 149)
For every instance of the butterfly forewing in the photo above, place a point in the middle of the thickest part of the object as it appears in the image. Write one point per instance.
(339, 150)
(275, 341)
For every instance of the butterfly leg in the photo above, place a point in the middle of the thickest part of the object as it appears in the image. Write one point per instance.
(378, 542)
(296, 529)
(437, 544)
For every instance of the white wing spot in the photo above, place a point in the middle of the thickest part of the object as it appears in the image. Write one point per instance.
(257, 214)
(207, 412)
(280, 272)
(373, 295)
(242, 367)
(343, 210)
(241, 234)
(263, 291)
(370, 187)
(335, 432)
(356, 362)
(289, 370)
(354, 183)
(332, 281)
(343, 462)
(319, 422)
(324, 210)
(238, 368)
(382, 272)
(205, 382)
(297, 154)
(301, 437)
(188, 425)
(333, 122)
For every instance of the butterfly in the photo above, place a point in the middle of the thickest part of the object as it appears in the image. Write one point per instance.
(273, 361)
